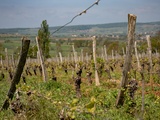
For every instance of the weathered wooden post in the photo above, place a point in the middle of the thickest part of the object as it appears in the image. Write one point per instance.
(74, 53)
(60, 56)
(87, 58)
(6, 59)
(44, 73)
(123, 53)
(113, 54)
(143, 80)
(38, 57)
(137, 57)
(95, 61)
(82, 56)
(128, 58)
(18, 72)
(150, 59)
(102, 53)
(13, 61)
(105, 53)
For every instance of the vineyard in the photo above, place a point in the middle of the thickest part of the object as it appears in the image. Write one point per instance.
(91, 81)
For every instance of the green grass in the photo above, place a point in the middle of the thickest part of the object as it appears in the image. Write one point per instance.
(49, 99)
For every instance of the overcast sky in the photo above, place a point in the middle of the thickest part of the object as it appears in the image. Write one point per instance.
(30, 13)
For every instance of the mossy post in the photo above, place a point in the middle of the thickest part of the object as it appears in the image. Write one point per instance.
(128, 59)
(18, 72)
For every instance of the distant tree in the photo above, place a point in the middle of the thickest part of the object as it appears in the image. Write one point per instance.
(43, 35)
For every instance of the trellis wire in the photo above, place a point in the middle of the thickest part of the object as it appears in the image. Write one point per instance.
(85, 11)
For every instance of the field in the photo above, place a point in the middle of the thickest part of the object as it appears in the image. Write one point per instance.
(54, 99)
(60, 98)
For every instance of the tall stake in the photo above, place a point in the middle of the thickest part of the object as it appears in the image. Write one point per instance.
(18, 72)
(95, 61)
(128, 58)
(38, 58)
(150, 59)
(60, 55)
(105, 53)
(6, 51)
(143, 81)
(82, 56)
(136, 52)
(113, 54)
(44, 73)
(74, 53)
(13, 61)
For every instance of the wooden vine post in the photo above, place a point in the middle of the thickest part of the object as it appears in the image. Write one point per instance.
(105, 53)
(6, 59)
(123, 53)
(150, 59)
(137, 57)
(38, 58)
(143, 80)
(60, 56)
(128, 58)
(74, 53)
(18, 72)
(113, 54)
(87, 58)
(44, 73)
(95, 61)
(82, 56)
(13, 61)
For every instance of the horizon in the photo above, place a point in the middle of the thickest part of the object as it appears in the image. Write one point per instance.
(30, 14)
(79, 25)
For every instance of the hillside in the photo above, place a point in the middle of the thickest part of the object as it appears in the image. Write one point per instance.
(97, 29)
